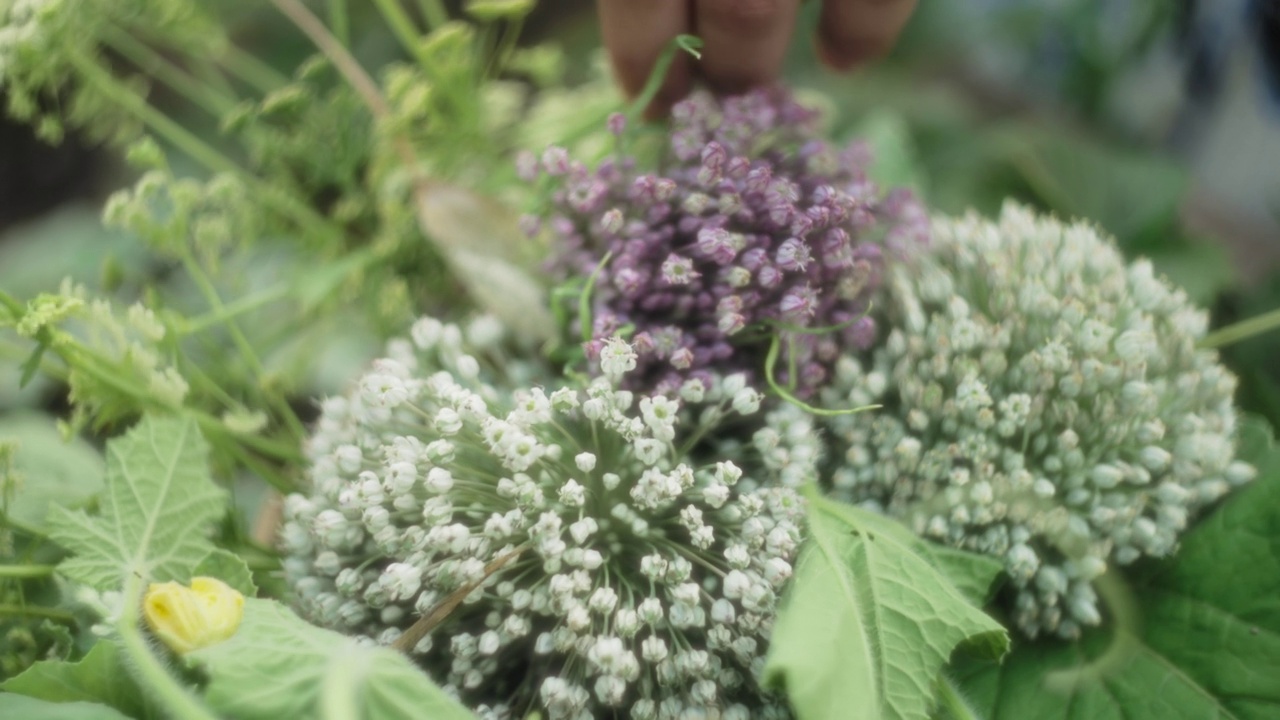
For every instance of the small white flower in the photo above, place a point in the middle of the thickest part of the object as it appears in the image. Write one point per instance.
(616, 358)
(439, 480)
(573, 494)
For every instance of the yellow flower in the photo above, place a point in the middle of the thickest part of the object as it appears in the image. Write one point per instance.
(189, 618)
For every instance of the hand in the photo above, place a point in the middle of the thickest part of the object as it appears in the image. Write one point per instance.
(744, 41)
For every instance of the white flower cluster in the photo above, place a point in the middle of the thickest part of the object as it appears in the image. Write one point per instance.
(1045, 403)
(605, 571)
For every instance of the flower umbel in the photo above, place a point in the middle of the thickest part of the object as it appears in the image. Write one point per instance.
(618, 571)
(754, 225)
(189, 618)
(1045, 403)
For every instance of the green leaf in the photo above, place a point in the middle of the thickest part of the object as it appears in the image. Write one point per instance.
(230, 569)
(972, 574)
(31, 365)
(869, 621)
(277, 666)
(100, 677)
(27, 708)
(1201, 268)
(892, 151)
(1209, 641)
(70, 242)
(52, 471)
(159, 506)
(1132, 194)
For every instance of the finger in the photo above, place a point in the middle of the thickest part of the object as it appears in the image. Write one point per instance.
(743, 41)
(635, 33)
(851, 32)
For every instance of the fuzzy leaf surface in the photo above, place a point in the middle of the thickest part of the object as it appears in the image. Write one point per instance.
(870, 621)
(1209, 641)
(29, 708)
(99, 677)
(277, 665)
(159, 505)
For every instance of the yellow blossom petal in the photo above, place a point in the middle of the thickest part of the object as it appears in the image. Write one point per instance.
(188, 618)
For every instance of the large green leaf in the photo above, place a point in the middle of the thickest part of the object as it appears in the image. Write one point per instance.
(100, 677)
(1209, 641)
(279, 666)
(230, 568)
(52, 471)
(870, 621)
(1135, 195)
(158, 508)
(29, 708)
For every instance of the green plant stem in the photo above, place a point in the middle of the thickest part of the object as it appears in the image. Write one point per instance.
(14, 305)
(147, 668)
(183, 139)
(434, 13)
(1126, 623)
(1242, 330)
(26, 571)
(339, 21)
(205, 285)
(88, 362)
(402, 27)
(771, 378)
(687, 43)
(234, 309)
(36, 611)
(177, 78)
(273, 477)
(952, 701)
(250, 69)
(198, 150)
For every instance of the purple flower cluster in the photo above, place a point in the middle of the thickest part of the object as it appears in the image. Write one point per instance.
(752, 226)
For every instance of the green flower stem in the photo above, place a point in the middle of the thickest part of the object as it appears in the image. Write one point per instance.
(952, 701)
(165, 70)
(687, 43)
(177, 700)
(90, 363)
(434, 13)
(14, 305)
(247, 67)
(274, 449)
(198, 150)
(26, 571)
(205, 285)
(1242, 330)
(234, 309)
(770, 376)
(1126, 621)
(402, 27)
(273, 477)
(339, 21)
(183, 139)
(36, 611)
